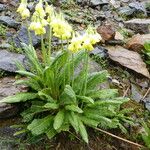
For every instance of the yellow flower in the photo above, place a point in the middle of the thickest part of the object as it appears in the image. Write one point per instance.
(87, 45)
(21, 7)
(61, 28)
(76, 44)
(95, 38)
(44, 22)
(38, 28)
(25, 14)
(40, 10)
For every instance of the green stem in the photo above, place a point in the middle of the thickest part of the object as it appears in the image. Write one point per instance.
(72, 70)
(43, 51)
(86, 73)
(69, 69)
(29, 34)
(50, 42)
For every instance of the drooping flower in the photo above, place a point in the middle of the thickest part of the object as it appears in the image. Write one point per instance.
(23, 10)
(60, 27)
(40, 10)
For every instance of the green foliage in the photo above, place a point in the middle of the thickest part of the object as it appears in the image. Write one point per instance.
(2, 30)
(57, 101)
(147, 51)
(146, 135)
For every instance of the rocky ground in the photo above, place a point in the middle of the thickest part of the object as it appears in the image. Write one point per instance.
(124, 26)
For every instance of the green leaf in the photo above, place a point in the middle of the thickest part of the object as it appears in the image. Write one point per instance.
(51, 106)
(26, 73)
(58, 120)
(96, 78)
(20, 97)
(45, 95)
(74, 108)
(83, 131)
(102, 94)
(51, 132)
(68, 96)
(73, 119)
(20, 132)
(39, 126)
(86, 99)
(88, 121)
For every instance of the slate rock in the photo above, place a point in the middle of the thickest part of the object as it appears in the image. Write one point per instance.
(8, 60)
(139, 7)
(3, 7)
(99, 52)
(126, 11)
(98, 2)
(138, 25)
(22, 37)
(8, 21)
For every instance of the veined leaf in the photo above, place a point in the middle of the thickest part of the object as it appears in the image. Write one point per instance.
(86, 99)
(83, 131)
(39, 126)
(68, 96)
(102, 94)
(51, 106)
(73, 119)
(89, 121)
(96, 78)
(74, 108)
(20, 97)
(45, 95)
(51, 132)
(58, 120)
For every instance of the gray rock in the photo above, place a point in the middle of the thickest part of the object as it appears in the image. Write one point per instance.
(139, 25)
(8, 60)
(9, 22)
(139, 7)
(99, 2)
(126, 11)
(99, 52)
(3, 7)
(8, 88)
(22, 37)
(136, 95)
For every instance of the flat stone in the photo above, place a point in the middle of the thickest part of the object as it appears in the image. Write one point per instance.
(3, 7)
(136, 43)
(8, 60)
(107, 32)
(139, 25)
(9, 22)
(126, 11)
(7, 88)
(139, 7)
(99, 2)
(22, 37)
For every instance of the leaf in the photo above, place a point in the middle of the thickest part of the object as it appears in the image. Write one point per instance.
(102, 94)
(51, 106)
(96, 78)
(58, 120)
(68, 96)
(45, 95)
(26, 73)
(20, 132)
(73, 119)
(129, 59)
(89, 121)
(39, 126)
(74, 108)
(83, 131)
(86, 99)
(20, 97)
(51, 132)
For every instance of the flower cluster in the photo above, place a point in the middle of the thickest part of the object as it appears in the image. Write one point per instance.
(38, 20)
(60, 27)
(85, 41)
(23, 10)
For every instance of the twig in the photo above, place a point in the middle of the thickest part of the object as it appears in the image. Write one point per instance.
(147, 92)
(125, 93)
(130, 142)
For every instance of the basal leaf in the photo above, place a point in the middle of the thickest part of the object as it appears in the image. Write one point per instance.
(51, 106)
(20, 97)
(74, 108)
(58, 120)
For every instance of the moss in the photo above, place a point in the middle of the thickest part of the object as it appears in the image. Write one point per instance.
(3, 30)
